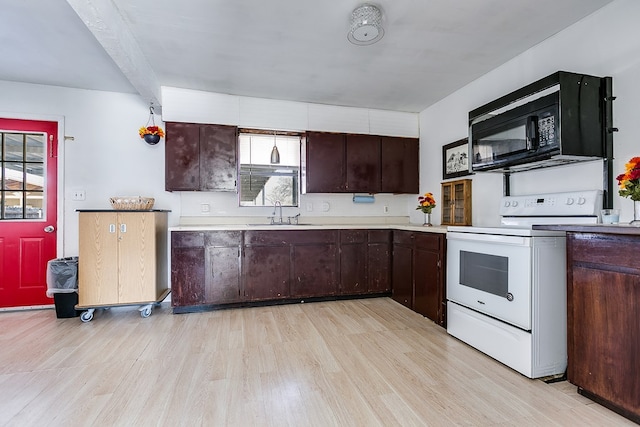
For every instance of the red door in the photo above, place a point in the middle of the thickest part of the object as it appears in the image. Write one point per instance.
(28, 209)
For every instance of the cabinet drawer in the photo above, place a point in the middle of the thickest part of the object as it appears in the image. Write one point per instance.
(379, 236)
(612, 250)
(287, 237)
(353, 236)
(403, 237)
(428, 241)
(223, 238)
(187, 239)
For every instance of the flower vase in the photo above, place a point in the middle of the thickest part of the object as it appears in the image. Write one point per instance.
(636, 214)
(427, 220)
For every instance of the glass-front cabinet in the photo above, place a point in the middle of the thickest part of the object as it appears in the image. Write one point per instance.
(456, 202)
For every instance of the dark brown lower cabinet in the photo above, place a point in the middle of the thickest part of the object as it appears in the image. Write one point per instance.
(365, 262)
(267, 272)
(205, 267)
(418, 273)
(603, 319)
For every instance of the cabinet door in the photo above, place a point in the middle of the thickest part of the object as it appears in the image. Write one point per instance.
(379, 261)
(363, 163)
(136, 257)
(447, 204)
(426, 281)
(604, 341)
(325, 162)
(182, 157)
(314, 270)
(353, 262)
(222, 275)
(187, 268)
(400, 165)
(402, 272)
(267, 272)
(98, 258)
(218, 157)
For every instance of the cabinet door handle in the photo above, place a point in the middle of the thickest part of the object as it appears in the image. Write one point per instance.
(123, 228)
(112, 228)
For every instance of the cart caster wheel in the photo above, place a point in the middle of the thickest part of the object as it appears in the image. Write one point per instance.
(86, 316)
(145, 312)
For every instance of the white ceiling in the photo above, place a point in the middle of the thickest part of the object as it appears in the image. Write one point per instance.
(282, 49)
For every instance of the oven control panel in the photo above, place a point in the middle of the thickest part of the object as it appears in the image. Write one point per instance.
(575, 203)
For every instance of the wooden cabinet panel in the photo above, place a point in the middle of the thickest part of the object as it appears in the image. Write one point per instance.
(417, 273)
(200, 157)
(98, 260)
(400, 165)
(353, 268)
(182, 157)
(187, 274)
(267, 272)
(315, 270)
(363, 163)
(379, 267)
(325, 162)
(218, 157)
(603, 326)
(222, 275)
(402, 272)
(426, 298)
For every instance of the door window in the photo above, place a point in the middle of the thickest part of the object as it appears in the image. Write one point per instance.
(22, 175)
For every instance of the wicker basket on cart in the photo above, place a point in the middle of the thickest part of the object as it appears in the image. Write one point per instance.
(132, 203)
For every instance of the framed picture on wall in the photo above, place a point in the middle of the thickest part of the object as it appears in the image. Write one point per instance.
(455, 159)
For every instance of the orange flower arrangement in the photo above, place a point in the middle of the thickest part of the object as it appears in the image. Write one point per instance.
(426, 203)
(151, 130)
(629, 182)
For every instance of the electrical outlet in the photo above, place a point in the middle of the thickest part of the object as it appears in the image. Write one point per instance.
(78, 195)
(205, 208)
(309, 206)
(385, 209)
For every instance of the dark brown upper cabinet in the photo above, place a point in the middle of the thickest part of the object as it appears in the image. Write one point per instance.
(356, 163)
(400, 165)
(325, 162)
(200, 157)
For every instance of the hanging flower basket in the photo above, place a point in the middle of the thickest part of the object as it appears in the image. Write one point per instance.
(151, 133)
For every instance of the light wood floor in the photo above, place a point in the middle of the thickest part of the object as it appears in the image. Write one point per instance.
(368, 362)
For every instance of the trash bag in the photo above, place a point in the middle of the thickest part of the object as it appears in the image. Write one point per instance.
(62, 275)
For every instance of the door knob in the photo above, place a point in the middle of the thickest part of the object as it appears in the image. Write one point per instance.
(49, 229)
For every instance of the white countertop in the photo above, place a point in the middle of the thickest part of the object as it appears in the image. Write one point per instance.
(303, 226)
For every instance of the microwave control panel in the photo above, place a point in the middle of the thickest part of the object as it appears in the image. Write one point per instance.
(547, 130)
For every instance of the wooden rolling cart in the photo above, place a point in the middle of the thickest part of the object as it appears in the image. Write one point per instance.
(122, 260)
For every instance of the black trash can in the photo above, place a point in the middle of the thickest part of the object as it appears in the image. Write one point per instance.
(62, 284)
(65, 304)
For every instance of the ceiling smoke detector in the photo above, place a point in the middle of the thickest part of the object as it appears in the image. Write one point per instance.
(366, 25)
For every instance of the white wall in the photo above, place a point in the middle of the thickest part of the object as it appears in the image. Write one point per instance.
(205, 107)
(106, 157)
(606, 43)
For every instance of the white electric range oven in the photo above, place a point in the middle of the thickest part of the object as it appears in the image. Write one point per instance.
(506, 286)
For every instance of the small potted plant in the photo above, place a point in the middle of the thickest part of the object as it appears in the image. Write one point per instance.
(426, 204)
(151, 134)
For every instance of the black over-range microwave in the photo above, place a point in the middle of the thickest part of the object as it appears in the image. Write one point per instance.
(563, 126)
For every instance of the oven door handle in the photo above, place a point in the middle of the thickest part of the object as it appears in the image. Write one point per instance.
(490, 238)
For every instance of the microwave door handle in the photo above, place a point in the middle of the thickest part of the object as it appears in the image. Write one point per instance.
(533, 140)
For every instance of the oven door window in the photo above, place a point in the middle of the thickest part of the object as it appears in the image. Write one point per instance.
(485, 272)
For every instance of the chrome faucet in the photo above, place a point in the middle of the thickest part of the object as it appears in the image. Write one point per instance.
(275, 206)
